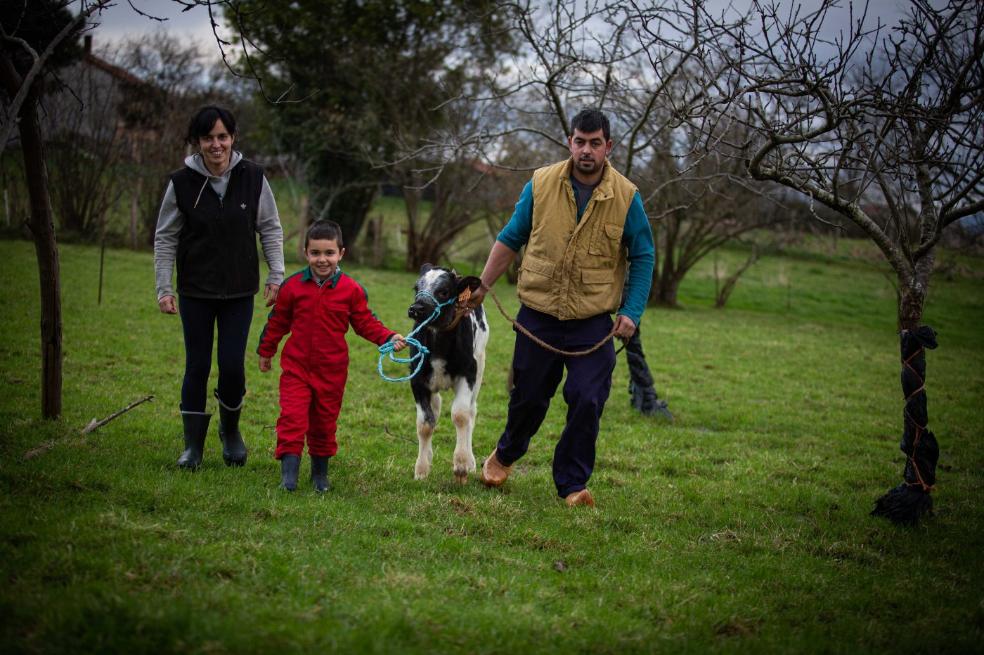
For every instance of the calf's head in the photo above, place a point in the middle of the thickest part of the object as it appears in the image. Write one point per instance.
(438, 286)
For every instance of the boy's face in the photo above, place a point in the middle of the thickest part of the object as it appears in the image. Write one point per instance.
(323, 256)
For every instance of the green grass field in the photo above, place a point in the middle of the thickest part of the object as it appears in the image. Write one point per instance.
(741, 527)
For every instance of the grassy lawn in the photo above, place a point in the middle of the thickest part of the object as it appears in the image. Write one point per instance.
(741, 527)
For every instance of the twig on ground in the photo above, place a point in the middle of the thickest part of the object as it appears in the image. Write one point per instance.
(95, 425)
(91, 427)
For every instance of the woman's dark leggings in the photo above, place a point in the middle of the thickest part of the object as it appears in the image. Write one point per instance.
(199, 317)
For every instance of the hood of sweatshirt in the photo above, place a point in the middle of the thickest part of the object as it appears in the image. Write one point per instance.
(196, 163)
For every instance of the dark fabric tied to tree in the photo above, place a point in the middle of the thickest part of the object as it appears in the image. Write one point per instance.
(642, 389)
(908, 502)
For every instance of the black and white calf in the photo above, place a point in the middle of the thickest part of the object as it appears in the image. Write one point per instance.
(456, 342)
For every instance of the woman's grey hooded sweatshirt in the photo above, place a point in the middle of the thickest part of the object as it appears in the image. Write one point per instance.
(171, 220)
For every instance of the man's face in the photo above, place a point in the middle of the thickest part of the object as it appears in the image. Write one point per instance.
(323, 256)
(589, 150)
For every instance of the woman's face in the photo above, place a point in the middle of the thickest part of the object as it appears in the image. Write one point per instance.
(216, 147)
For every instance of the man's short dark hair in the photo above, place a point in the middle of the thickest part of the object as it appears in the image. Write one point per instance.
(204, 120)
(325, 229)
(591, 120)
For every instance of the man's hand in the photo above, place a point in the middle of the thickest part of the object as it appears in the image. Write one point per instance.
(167, 305)
(624, 327)
(265, 364)
(270, 294)
(477, 296)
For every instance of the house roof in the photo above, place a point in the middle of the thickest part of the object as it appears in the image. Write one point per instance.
(119, 73)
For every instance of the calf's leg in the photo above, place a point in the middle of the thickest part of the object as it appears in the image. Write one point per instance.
(426, 419)
(463, 414)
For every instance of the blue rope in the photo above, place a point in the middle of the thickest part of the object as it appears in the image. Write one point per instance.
(422, 350)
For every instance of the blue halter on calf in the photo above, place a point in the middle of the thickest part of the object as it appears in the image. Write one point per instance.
(421, 350)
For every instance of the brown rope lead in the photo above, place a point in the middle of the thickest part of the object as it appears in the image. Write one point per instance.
(543, 344)
(919, 428)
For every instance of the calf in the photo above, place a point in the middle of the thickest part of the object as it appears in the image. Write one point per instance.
(456, 341)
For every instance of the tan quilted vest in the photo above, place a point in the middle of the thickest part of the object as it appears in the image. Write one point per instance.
(575, 269)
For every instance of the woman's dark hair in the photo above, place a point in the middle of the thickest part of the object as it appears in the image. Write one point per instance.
(325, 229)
(591, 120)
(204, 120)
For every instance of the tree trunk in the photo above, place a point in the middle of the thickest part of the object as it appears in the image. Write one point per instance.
(303, 223)
(721, 295)
(135, 212)
(911, 500)
(411, 203)
(664, 291)
(349, 209)
(43, 230)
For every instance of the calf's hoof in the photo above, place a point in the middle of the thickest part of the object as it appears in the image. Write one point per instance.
(461, 477)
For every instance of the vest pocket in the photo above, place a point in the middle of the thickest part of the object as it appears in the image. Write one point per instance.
(598, 292)
(537, 265)
(606, 240)
(597, 275)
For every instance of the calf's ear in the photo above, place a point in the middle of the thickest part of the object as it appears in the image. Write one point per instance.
(425, 268)
(469, 282)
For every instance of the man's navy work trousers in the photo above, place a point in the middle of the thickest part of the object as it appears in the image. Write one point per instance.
(536, 374)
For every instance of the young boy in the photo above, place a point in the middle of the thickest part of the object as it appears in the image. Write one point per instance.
(316, 305)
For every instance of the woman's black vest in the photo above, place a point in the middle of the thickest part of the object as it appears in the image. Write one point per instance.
(217, 245)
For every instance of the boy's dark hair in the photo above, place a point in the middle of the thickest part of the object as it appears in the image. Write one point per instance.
(324, 229)
(204, 120)
(591, 120)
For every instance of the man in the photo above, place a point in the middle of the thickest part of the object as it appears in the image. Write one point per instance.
(582, 223)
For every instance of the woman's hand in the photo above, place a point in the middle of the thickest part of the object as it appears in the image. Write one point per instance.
(167, 305)
(270, 294)
(265, 364)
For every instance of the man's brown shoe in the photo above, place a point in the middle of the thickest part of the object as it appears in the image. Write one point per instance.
(494, 474)
(582, 497)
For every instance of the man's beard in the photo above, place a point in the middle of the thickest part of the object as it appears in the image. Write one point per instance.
(588, 165)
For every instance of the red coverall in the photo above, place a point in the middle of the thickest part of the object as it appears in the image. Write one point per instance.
(315, 358)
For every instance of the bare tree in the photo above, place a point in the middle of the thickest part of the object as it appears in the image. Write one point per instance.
(886, 128)
(33, 33)
(30, 37)
(84, 146)
(704, 202)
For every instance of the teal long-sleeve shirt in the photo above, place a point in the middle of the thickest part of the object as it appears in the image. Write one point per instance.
(637, 235)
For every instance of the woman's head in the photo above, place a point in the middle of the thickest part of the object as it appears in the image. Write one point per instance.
(212, 131)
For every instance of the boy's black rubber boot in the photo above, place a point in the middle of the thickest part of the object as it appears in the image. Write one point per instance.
(290, 467)
(319, 473)
(233, 446)
(195, 429)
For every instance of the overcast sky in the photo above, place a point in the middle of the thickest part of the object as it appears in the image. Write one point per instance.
(120, 23)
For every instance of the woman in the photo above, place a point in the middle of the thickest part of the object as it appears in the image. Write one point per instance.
(211, 212)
